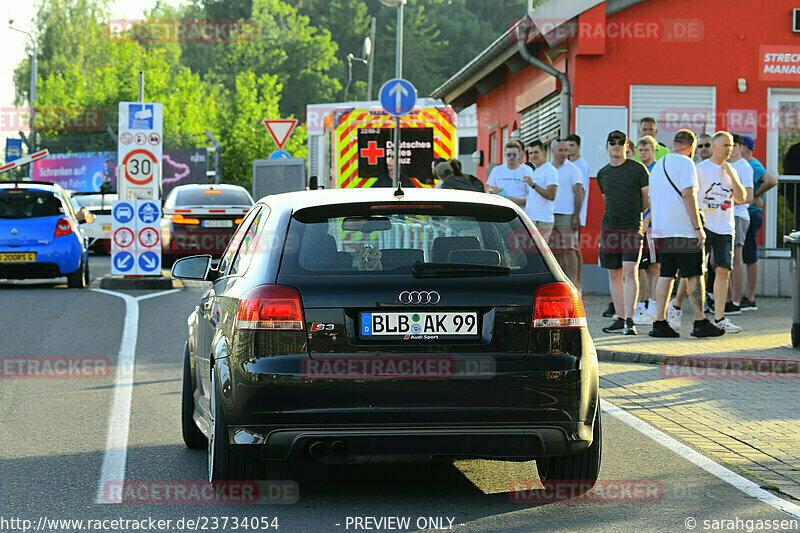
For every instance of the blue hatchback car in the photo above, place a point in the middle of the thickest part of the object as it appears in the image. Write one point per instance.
(40, 233)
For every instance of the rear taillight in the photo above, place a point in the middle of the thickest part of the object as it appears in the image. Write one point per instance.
(270, 307)
(180, 219)
(63, 227)
(238, 221)
(558, 305)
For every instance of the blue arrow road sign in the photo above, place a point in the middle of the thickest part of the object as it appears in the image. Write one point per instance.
(123, 212)
(148, 261)
(398, 97)
(280, 154)
(124, 261)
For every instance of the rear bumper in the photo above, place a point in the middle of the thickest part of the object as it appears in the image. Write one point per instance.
(540, 406)
(476, 441)
(179, 241)
(59, 258)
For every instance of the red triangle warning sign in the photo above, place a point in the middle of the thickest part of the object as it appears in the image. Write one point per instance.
(280, 129)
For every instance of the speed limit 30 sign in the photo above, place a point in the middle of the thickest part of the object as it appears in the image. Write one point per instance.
(139, 166)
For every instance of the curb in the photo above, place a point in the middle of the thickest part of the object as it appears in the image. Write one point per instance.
(119, 283)
(696, 360)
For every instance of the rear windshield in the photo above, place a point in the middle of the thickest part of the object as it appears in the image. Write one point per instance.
(396, 238)
(94, 201)
(201, 197)
(29, 203)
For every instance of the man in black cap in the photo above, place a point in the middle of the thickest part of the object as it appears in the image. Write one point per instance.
(623, 183)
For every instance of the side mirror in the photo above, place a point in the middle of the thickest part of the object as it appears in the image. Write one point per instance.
(196, 267)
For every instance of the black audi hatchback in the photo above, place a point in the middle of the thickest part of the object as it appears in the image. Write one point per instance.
(361, 325)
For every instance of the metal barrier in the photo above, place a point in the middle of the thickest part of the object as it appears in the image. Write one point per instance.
(788, 192)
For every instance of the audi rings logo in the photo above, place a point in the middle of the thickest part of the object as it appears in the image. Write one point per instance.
(419, 297)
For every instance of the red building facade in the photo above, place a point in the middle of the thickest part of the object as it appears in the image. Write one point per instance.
(703, 65)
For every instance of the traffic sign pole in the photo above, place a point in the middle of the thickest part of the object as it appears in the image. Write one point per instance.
(398, 97)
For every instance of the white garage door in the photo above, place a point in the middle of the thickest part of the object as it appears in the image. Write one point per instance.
(674, 107)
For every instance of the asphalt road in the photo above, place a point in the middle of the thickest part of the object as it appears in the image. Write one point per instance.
(53, 440)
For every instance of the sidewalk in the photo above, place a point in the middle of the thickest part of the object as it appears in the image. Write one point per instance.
(766, 334)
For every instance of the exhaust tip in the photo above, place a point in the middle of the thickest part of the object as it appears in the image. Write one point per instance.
(339, 447)
(318, 449)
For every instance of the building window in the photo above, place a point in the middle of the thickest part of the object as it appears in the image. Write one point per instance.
(492, 147)
(467, 145)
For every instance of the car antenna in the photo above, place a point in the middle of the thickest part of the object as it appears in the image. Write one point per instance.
(399, 192)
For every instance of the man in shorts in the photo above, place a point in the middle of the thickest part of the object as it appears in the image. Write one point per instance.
(542, 190)
(567, 210)
(719, 189)
(741, 218)
(623, 183)
(679, 236)
(762, 182)
(574, 153)
(649, 267)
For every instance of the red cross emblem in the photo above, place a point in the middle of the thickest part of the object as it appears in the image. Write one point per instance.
(372, 152)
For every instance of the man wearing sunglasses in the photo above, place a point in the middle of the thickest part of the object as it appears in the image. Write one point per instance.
(623, 183)
(509, 180)
(703, 148)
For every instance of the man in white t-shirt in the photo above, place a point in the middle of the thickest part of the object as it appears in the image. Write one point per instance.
(567, 210)
(742, 220)
(509, 180)
(574, 151)
(542, 189)
(719, 188)
(679, 237)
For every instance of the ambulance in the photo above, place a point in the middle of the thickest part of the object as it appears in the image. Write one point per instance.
(358, 141)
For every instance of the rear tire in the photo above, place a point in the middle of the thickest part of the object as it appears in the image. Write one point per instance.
(224, 464)
(192, 435)
(77, 280)
(580, 469)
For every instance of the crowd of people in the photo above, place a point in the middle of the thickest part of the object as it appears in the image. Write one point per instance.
(693, 211)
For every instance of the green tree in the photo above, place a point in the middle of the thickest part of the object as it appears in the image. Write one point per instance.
(59, 44)
(286, 45)
(243, 136)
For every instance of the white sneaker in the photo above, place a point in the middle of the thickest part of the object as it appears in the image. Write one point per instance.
(726, 325)
(674, 316)
(642, 318)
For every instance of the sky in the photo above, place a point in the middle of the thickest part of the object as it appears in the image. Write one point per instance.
(14, 43)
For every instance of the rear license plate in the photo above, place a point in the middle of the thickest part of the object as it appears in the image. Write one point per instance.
(218, 223)
(24, 257)
(420, 325)
(107, 227)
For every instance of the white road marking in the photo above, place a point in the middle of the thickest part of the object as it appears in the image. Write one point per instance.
(693, 456)
(116, 454)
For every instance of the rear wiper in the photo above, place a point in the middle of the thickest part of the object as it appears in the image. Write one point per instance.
(456, 270)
